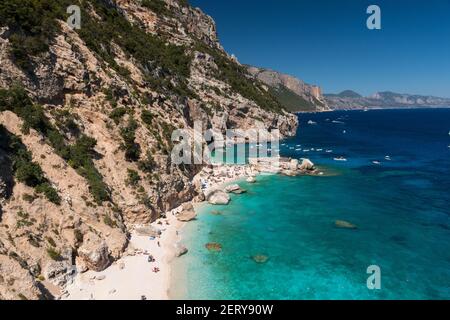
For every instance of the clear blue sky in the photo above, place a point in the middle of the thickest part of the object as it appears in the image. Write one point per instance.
(326, 42)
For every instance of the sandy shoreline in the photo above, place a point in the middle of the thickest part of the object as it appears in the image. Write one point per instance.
(132, 277)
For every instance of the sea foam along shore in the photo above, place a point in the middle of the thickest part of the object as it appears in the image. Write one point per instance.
(133, 276)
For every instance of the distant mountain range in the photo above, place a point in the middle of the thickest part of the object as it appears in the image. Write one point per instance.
(296, 95)
(349, 99)
(293, 94)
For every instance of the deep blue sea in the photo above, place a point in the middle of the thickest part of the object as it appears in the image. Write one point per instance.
(400, 206)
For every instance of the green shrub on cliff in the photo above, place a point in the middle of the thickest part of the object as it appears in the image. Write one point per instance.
(117, 114)
(79, 155)
(23, 167)
(128, 134)
(157, 6)
(133, 178)
(237, 77)
(33, 26)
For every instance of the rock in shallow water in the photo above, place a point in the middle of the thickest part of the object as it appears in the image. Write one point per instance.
(344, 224)
(218, 197)
(240, 191)
(251, 180)
(232, 188)
(306, 165)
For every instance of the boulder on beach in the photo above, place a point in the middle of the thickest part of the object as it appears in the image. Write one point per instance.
(307, 165)
(94, 252)
(344, 224)
(260, 258)
(180, 249)
(218, 197)
(148, 231)
(186, 216)
(213, 246)
(188, 213)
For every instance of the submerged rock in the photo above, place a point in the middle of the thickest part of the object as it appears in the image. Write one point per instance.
(260, 258)
(344, 224)
(213, 246)
(216, 212)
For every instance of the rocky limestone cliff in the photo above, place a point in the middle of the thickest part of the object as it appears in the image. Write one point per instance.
(85, 124)
(294, 93)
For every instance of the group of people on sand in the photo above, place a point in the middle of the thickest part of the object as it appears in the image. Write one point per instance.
(152, 259)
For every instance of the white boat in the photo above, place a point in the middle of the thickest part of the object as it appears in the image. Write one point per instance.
(388, 158)
(319, 150)
(329, 151)
(344, 131)
(312, 122)
(336, 121)
(376, 162)
(298, 149)
(306, 150)
(340, 159)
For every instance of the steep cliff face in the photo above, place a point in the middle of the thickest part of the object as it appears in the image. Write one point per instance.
(291, 92)
(86, 118)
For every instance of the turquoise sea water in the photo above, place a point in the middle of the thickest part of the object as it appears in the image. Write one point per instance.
(401, 208)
